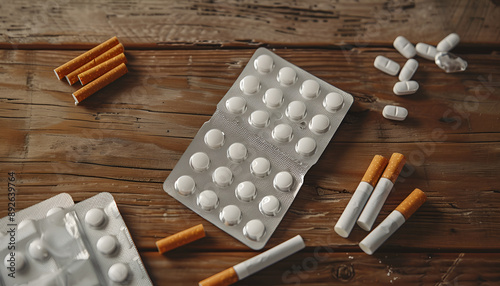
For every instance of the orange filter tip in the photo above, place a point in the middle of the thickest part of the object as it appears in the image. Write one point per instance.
(224, 278)
(394, 167)
(412, 203)
(181, 238)
(375, 169)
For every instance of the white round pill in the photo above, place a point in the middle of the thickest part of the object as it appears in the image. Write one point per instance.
(208, 200)
(319, 124)
(264, 64)
(230, 215)
(260, 167)
(236, 105)
(270, 205)
(259, 119)
(53, 211)
(296, 110)
(250, 84)
(185, 185)
(214, 138)
(282, 133)
(237, 152)
(199, 162)
(95, 218)
(24, 223)
(333, 101)
(254, 229)
(306, 146)
(246, 191)
(222, 177)
(37, 250)
(118, 272)
(287, 76)
(309, 89)
(273, 98)
(283, 181)
(107, 245)
(18, 260)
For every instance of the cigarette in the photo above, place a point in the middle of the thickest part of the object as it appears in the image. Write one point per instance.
(381, 191)
(99, 83)
(72, 77)
(255, 264)
(84, 58)
(95, 72)
(393, 222)
(358, 200)
(181, 238)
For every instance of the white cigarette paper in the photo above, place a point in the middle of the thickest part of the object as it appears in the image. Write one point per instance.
(375, 204)
(382, 232)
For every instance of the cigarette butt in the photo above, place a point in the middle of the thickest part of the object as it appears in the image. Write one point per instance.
(223, 278)
(95, 72)
(394, 167)
(416, 199)
(84, 58)
(99, 83)
(111, 53)
(181, 238)
(375, 170)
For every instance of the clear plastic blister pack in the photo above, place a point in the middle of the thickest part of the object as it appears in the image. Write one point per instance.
(246, 164)
(60, 243)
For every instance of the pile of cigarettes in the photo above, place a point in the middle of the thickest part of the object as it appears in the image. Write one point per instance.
(94, 69)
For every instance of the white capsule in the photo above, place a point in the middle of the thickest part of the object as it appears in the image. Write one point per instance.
(319, 124)
(199, 162)
(333, 102)
(208, 200)
(270, 205)
(273, 98)
(250, 85)
(185, 185)
(306, 146)
(259, 119)
(264, 64)
(118, 272)
(386, 65)
(107, 245)
(246, 191)
(309, 89)
(296, 110)
(17, 261)
(283, 181)
(282, 133)
(260, 167)
(95, 218)
(254, 230)
(237, 152)
(222, 177)
(236, 105)
(405, 87)
(426, 51)
(37, 250)
(448, 43)
(408, 70)
(395, 112)
(404, 47)
(230, 215)
(214, 138)
(287, 76)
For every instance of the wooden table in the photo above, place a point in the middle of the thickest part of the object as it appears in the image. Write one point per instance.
(183, 57)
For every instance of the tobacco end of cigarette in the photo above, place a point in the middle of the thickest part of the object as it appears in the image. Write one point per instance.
(224, 278)
(181, 238)
(375, 170)
(412, 203)
(394, 167)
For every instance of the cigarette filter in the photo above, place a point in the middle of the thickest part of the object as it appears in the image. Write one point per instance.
(393, 222)
(181, 238)
(358, 200)
(95, 72)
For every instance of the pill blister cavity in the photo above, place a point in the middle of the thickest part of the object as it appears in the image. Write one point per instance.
(254, 230)
(306, 146)
(37, 250)
(333, 102)
(107, 245)
(264, 64)
(199, 162)
(208, 200)
(296, 110)
(230, 215)
(270, 205)
(309, 89)
(236, 105)
(214, 138)
(118, 272)
(260, 167)
(282, 133)
(95, 218)
(283, 181)
(18, 260)
(237, 152)
(250, 85)
(53, 211)
(222, 177)
(319, 124)
(24, 223)
(273, 98)
(259, 119)
(185, 185)
(246, 191)
(287, 76)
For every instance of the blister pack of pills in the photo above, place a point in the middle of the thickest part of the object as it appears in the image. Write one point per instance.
(246, 164)
(60, 243)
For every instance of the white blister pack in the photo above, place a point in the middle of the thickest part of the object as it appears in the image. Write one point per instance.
(246, 164)
(60, 243)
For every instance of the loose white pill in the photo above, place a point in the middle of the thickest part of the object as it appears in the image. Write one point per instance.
(236, 105)
(222, 177)
(230, 215)
(53, 211)
(208, 200)
(273, 98)
(185, 185)
(408, 70)
(95, 218)
(118, 272)
(448, 43)
(283, 181)
(18, 260)
(107, 245)
(386, 65)
(405, 87)
(199, 162)
(254, 230)
(287, 76)
(246, 191)
(270, 205)
(264, 64)
(214, 138)
(259, 119)
(333, 101)
(309, 89)
(282, 133)
(306, 146)
(237, 152)
(250, 85)
(260, 167)
(37, 250)
(296, 110)
(404, 47)
(395, 112)
(426, 51)
(319, 124)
